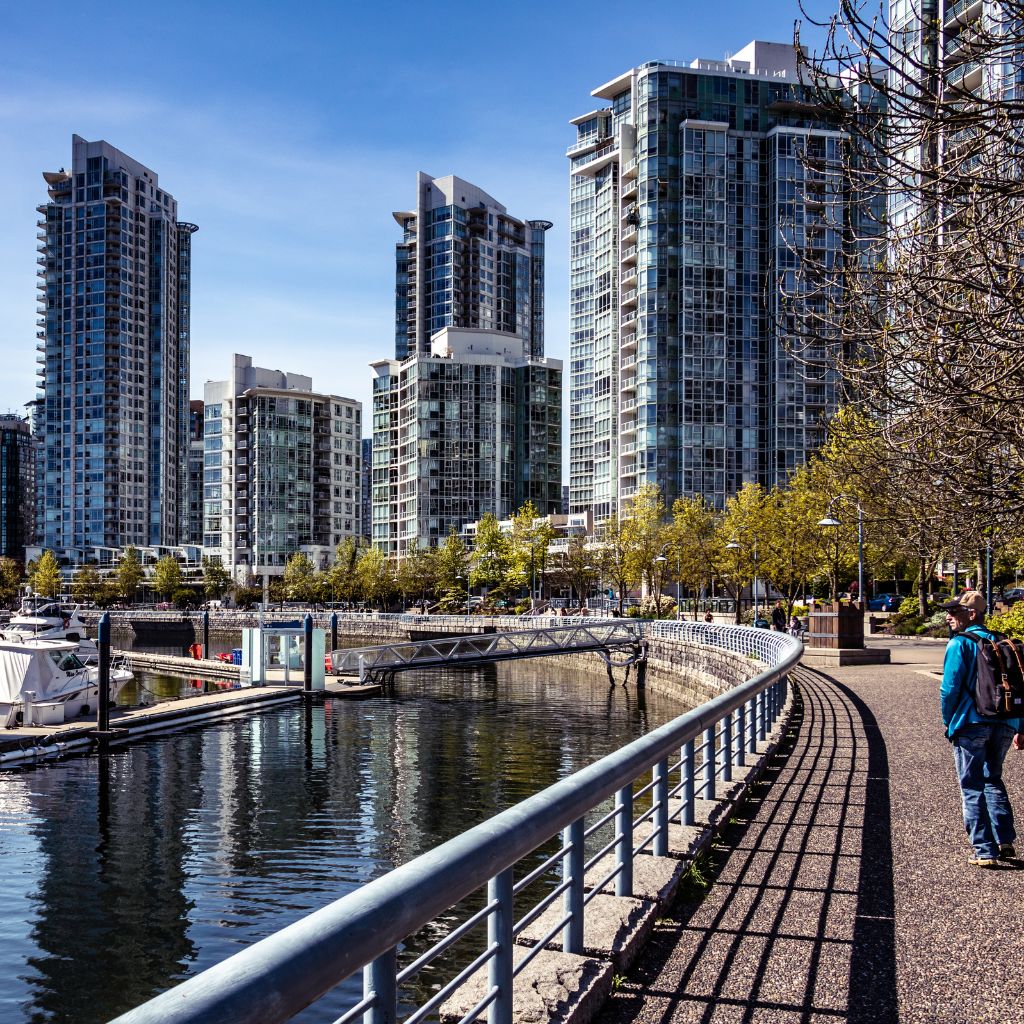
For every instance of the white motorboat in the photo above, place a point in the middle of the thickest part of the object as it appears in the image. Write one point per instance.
(45, 682)
(42, 618)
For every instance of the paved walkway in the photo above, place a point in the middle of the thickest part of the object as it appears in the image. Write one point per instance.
(843, 892)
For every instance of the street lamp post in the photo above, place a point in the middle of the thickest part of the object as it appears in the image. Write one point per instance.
(829, 520)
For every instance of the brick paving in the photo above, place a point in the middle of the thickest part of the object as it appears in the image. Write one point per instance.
(841, 891)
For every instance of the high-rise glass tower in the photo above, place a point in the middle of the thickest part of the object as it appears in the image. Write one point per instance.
(17, 486)
(695, 192)
(464, 262)
(114, 282)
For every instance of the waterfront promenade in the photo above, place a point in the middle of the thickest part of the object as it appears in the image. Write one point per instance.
(842, 891)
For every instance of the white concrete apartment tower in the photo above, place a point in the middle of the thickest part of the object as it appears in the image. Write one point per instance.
(281, 470)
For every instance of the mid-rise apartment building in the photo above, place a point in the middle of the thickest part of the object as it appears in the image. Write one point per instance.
(114, 282)
(17, 486)
(473, 427)
(467, 416)
(695, 191)
(282, 470)
(463, 261)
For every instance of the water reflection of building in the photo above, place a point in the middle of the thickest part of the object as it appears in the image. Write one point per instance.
(111, 913)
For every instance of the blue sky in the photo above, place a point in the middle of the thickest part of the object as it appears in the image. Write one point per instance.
(289, 132)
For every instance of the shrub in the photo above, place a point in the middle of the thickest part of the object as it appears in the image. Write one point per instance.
(184, 598)
(1010, 622)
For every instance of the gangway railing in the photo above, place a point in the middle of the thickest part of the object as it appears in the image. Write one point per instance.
(598, 820)
(382, 661)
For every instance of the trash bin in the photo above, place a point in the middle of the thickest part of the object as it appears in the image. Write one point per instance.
(236, 655)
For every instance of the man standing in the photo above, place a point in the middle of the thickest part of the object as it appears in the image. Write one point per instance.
(979, 744)
(779, 617)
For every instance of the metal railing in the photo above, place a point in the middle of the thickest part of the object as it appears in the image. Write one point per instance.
(599, 819)
(532, 642)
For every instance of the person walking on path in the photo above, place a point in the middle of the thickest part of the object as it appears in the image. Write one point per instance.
(779, 617)
(979, 744)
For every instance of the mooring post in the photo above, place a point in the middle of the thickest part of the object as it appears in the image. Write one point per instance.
(334, 635)
(307, 654)
(103, 699)
(206, 634)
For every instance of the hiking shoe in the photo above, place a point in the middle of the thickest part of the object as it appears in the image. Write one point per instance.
(1007, 851)
(983, 862)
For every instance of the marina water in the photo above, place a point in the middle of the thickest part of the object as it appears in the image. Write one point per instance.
(125, 873)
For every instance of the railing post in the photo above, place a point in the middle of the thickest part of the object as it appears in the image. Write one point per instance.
(726, 748)
(741, 736)
(709, 763)
(624, 841)
(380, 979)
(572, 872)
(660, 796)
(499, 936)
(686, 768)
(752, 725)
(762, 710)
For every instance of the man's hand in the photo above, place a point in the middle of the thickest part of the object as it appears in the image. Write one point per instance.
(1018, 741)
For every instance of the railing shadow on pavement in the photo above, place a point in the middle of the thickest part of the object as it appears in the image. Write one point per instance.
(800, 920)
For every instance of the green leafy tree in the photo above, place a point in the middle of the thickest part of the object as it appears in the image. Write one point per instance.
(343, 583)
(130, 574)
(452, 572)
(493, 568)
(108, 593)
(647, 539)
(581, 567)
(216, 579)
(740, 541)
(44, 575)
(527, 549)
(300, 578)
(694, 544)
(376, 578)
(248, 593)
(10, 581)
(167, 576)
(616, 561)
(417, 573)
(86, 584)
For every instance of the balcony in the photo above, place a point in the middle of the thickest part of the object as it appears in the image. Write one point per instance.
(628, 254)
(627, 318)
(628, 274)
(966, 75)
(629, 170)
(962, 12)
(630, 187)
(588, 142)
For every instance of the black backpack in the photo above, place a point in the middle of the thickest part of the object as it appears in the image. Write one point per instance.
(999, 681)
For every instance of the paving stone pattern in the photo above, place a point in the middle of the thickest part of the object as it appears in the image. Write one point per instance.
(841, 890)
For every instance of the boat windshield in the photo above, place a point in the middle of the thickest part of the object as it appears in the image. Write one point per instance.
(66, 661)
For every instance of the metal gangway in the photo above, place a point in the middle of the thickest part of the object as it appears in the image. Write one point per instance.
(619, 644)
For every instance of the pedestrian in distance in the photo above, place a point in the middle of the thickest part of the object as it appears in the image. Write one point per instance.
(779, 617)
(979, 744)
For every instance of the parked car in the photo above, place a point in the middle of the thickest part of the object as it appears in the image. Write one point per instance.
(884, 603)
(1012, 594)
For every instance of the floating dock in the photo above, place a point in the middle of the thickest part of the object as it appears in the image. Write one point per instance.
(37, 742)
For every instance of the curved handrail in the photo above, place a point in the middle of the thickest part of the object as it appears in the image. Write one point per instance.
(279, 976)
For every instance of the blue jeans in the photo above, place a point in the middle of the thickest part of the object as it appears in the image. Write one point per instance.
(979, 750)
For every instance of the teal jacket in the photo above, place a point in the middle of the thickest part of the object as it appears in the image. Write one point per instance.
(958, 671)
